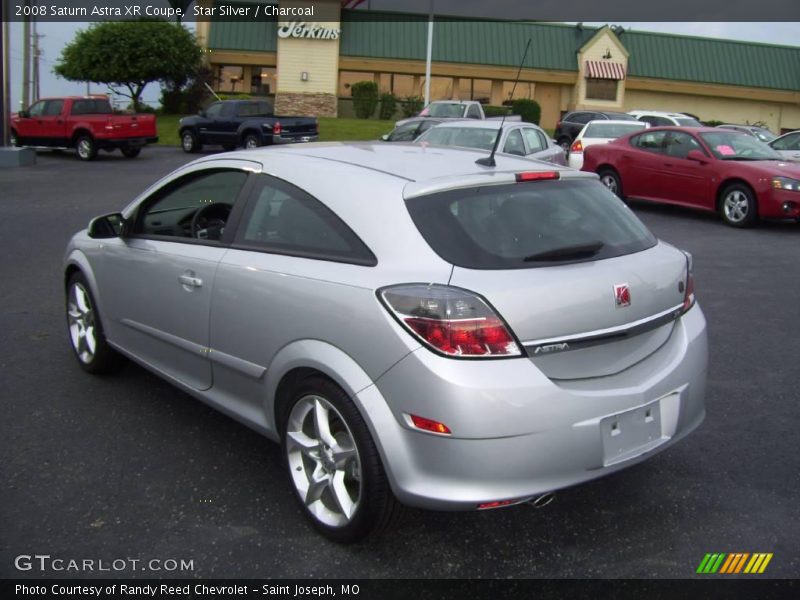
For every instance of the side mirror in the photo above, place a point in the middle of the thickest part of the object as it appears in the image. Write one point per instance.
(106, 226)
(697, 156)
(385, 137)
(24, 114)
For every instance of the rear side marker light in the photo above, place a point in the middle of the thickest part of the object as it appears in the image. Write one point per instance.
(496, 504)
(429, 425)
(537, 176)
(577, 146)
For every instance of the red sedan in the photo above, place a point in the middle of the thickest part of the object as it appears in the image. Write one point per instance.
(703, 167)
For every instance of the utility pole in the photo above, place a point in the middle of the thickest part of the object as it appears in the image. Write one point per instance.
(26, 59)
(37, 53)
(428, 58)
(5, 73)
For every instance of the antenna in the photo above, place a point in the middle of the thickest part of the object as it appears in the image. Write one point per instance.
(489, 161)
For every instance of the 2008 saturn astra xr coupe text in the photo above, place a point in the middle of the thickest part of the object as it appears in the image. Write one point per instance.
(412, 327)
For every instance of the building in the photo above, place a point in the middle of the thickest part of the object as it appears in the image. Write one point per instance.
(309, 64)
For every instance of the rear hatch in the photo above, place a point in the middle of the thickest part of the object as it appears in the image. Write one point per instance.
(298, 126)
(129, 126)
(580, 281)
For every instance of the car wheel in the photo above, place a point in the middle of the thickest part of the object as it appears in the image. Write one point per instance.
(13, 139)
(86, 330)
(189, 142)
(738, 206)
(565, 143)
(86, 147)
(334, 466)
(251, 141)
(228, 147)
(131, 152)
(610, 178)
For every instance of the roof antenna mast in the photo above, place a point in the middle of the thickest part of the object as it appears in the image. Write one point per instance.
(489, 161)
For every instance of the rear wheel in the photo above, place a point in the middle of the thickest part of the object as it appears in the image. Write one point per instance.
(738, 206)
(333, 464)
(251, 141)
(86, 330)
(189, 141)
(13, 139)
(131, 152)
(86, 147)
(610, 178)
(565, 143)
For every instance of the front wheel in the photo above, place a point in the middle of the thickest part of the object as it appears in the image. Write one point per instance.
(86, 330)
(738, 207)
(131, 152)
(189, 142)
(610, 178)
(251, 141)
(334, 465)
(86, 147)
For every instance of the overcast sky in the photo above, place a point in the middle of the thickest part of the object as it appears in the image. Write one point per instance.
(57, 35)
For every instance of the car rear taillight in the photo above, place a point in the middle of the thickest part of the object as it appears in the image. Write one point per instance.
(276, 129)
(688, 290)
(429, 425)
(451, 321)
(577, 146)
(537, 176)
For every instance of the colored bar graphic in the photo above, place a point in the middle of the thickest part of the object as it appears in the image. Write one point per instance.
(734, 563)
(741, 562)
(703, 563)
(728, 563)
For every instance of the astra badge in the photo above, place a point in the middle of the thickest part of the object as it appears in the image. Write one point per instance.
(622, 295)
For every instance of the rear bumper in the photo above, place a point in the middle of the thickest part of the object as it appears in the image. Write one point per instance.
(517, 434)
(280, 139)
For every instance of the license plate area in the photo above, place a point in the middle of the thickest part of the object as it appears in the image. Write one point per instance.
(631, 433)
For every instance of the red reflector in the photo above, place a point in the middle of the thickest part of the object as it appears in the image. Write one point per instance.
(495, 504)
(577, 146)
(537, 176)
(429, 425)
(276, 129)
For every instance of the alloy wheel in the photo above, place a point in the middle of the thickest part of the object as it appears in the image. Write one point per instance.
(736, 206)
(82, 329)
(84, 148)
(610, 182)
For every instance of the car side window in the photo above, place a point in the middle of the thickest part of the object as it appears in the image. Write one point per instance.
(405, 133)
(535, 142)
(514, 143)
(651, 141)
(582, 118)
(283, 219)
(473, 112)
(37, 110)
(790, 142)
(214, 110)
(679, 144)
(195, 206)
(53, 108)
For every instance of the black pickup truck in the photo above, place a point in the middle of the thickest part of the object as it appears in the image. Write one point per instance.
(247, 123)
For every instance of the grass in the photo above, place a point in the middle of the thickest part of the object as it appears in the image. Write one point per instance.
(330, 129)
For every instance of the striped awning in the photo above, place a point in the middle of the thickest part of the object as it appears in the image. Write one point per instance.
(604, 69)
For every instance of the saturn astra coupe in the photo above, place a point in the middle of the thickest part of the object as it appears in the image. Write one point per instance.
(411, 327)
(708, 168)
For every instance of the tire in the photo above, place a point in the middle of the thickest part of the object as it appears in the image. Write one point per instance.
(131, 152)
(565, 143)
(13, 140)
(250, 141)
(611, 179)
(352, 499)
(228, 147)
(189, 142)
(85, 329)
(86, 147)
(738, 206)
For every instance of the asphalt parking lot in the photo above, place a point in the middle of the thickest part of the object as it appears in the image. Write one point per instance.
(127, 467)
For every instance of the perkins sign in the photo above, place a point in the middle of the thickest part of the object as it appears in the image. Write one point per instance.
(299, 29)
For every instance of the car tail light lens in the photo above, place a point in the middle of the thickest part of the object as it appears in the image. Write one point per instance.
(451, 321)
(537, 176)
(577, 146)
(276, 129)
(688, 293)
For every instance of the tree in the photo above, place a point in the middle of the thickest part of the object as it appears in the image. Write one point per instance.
(131, 54)
(182, 4)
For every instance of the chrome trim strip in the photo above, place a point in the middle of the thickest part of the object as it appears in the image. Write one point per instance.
(634, 327)
(173, 340)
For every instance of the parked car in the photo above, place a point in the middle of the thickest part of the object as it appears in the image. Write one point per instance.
(520, 139)
(85, 123)
(456, 109)
(788, 145)
(658, 118)
(411, 129)
(518, 332)
(245, 123)
(708, 168)
(570, 125)
(761, 133)
(600, 132)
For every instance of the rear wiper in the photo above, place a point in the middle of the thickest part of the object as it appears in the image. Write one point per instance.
(567, 252)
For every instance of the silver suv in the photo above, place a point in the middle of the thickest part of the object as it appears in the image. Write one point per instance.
(412, 328)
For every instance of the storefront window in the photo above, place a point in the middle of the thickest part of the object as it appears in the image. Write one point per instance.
(263, 81)
(229, 79)
(601, 89)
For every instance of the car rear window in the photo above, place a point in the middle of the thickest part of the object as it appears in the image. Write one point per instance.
(686, 122)
(527, 225)
(465, 137)
(600, 129)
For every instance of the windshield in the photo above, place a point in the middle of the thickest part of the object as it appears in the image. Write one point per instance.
(612, 130)
(688, 122)
(765, 135)
(729, 145)
(466, 137)
(528, 225)
(444, 109)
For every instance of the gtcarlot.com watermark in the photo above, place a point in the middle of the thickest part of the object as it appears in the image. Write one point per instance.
(45, 563)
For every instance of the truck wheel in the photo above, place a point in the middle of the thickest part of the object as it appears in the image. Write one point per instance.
(131, 152)
(87, 149)
(189, 141)
(251, 141)
(13, 140)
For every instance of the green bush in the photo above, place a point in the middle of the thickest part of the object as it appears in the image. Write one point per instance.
(365, 98)
(529, 110)
(388, 106)
(495, 111)
(712, 123)
(411, 105)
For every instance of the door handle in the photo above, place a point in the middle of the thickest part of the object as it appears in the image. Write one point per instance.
(190, 281)
(668, 165)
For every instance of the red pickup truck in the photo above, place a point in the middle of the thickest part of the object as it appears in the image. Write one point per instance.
(86, 123)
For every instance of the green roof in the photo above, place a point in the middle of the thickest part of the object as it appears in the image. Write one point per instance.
(553, 47)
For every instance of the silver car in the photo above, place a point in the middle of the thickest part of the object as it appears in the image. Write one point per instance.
(412, 328)
(788, 145)
(518, 139)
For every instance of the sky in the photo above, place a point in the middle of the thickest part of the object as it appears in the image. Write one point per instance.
(57, 35)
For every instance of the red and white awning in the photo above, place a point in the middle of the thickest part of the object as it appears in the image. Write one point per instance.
(604, 69)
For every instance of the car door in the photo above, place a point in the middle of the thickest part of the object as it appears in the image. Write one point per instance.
(681, 180)
(209, 124)
(52, 123)
(537, 146)
(514, 143)
(788, 146)
(30, 127)
(640, 164)
(158, 278)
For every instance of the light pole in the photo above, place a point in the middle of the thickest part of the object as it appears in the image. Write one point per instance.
(428, 59)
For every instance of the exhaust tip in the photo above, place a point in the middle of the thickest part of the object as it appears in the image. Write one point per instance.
(542, 501)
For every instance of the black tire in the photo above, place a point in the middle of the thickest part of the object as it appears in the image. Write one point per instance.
(565, 143)
(228, 147)
(360, 473)
(611, 179)
(86, 147)
(131, 152)
(251, 140)
(83, 325)
(13, 139)
(738, 206)
(190, 142)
